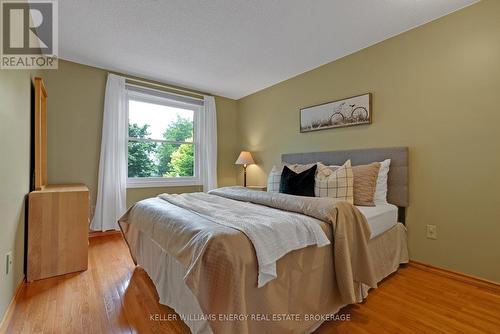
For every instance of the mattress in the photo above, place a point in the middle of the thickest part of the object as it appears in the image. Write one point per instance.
(381, 218)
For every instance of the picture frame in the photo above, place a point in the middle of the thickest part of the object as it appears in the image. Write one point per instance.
(351, 111)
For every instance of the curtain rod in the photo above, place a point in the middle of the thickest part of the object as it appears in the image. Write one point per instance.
(196, 97)
(132, 80)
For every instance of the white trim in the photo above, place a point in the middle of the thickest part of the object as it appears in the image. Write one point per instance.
(149, 140)
(147, 182)
(161, 99)
(167, 94)
(197, 144)
(127, 124)
(152, 182)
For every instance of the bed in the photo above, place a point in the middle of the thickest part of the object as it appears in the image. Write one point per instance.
(220, 286)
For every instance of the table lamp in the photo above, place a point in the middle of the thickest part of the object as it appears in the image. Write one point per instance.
(244, 159)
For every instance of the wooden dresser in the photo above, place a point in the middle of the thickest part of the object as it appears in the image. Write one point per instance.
(58, 215)
(58, 221)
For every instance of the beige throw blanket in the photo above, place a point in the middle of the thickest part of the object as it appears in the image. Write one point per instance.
(220, 261)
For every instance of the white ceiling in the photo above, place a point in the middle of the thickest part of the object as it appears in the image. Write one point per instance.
(231, 48)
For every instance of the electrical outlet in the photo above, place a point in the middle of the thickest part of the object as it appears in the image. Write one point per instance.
(8, 263)
(432, 232)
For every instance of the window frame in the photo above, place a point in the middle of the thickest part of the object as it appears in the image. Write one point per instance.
(156, 181)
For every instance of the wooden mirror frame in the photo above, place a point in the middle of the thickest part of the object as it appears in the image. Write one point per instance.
(40, 133)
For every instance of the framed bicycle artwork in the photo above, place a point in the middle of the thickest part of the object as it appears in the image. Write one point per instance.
(355, 110)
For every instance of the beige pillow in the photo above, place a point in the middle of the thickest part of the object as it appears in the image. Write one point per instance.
(365, 183)
(336, 183)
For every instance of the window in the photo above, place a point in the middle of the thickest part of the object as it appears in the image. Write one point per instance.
(163, 141)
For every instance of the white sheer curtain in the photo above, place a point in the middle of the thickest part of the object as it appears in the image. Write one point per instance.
(112, 186)
(209, 143)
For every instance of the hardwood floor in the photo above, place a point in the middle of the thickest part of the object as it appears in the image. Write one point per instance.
(113, 296)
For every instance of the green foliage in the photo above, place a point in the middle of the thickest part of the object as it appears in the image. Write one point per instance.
(165, 152)
(139, 162)
(172, 160)
(182, 161)
(180, 130)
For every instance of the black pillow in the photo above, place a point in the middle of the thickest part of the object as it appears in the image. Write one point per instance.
(300, 184)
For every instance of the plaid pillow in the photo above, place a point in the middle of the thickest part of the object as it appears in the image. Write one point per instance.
(274, 178)
(335, 183)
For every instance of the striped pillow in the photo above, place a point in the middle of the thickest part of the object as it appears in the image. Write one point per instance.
(335, 184)
(274, 178)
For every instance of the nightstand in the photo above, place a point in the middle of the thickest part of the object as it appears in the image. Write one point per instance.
(260, 188)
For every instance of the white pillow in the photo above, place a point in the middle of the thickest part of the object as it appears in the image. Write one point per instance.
(380, 196)
(274, 178)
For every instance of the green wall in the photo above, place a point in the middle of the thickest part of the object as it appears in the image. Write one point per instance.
(14, 175)
(435, 89)
(75, 107)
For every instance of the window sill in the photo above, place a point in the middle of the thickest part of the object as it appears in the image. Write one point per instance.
(161, 182)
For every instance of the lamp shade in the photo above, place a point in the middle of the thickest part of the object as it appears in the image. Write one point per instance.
(245, 158)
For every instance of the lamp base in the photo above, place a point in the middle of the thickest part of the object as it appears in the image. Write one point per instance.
(244, 176)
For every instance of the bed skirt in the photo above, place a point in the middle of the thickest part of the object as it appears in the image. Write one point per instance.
(388, 251)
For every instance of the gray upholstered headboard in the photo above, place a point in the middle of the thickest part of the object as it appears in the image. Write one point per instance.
(397, 184)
